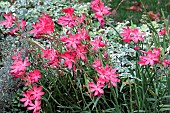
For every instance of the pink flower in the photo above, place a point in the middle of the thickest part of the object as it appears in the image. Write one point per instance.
(108, 75)
(69, 57)
(28, 98)
(136, 48)
(136, 36)
(102, 74)
(48, 53)
(68, 11)
(35, 107)
(100, 10)
(126, 34)
(72, 41)
(9, 20)
(69, 19)
(162, 32)
(19, 67)
(81, 52)
(156, 51)
(83, 34)
(151, 58)
(44, 26)
(52, 56)
(96, 43)
(34, 76)
(129, 34)
(97, 64)
(17, 57)
(32, 99)
(166, 63)
(96, 88)
(36, 92)
(113, 77)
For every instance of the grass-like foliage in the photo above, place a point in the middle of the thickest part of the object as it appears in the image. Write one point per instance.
(79, 60)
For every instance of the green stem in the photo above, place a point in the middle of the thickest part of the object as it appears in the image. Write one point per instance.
(50, 95)
(131, 101)
(168, 81)
(36, 43)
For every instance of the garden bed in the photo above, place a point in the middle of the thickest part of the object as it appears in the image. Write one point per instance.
(76, 57)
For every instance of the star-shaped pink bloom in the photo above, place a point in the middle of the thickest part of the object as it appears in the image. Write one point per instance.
(83, 34)
(34, 76)
(97, 42)
(96, 88)
(126, 34)
(136, 35)
(52, 55)
(100, 10)
(69, 19)
(97, 64)
(9, 20)
(151, 57)
(71, 41)
(68, 11)
(69, 57)
(35, 107)
(81, 52)
(28, 98)
(19, 67)
(44, 26)
(36, 92)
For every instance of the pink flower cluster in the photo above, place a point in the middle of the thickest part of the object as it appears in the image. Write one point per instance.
(129, 35)
(44, 26)
(33, 96)
(100, 10)
(107, 75)
(75, 49)
(51, 55)
(10, 20)
(32, 99)
(97, 42)
(163, 32)
(32, 77)
(70, 19)
(19, 66)
(150, 58)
